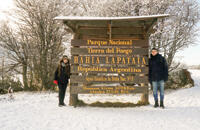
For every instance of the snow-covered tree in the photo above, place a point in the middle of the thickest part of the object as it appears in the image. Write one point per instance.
(172, 34)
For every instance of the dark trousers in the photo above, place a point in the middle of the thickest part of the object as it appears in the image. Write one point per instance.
(62, 90)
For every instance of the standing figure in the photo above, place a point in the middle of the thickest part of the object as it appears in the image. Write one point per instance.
(61, 77)
(158, 74)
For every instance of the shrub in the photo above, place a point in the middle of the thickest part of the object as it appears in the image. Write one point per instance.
(179, 79)
(9, 82)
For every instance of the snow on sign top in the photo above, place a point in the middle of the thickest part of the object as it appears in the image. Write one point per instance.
(78, 18)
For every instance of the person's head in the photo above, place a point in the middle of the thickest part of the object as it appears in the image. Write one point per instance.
(154, 51)
(65, 59)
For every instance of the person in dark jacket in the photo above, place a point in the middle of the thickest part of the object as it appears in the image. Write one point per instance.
(61, 77)
(158, 74)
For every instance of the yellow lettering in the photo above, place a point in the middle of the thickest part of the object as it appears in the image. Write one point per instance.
(118, 59)
(119, 42)
(87, 60)
(128, 60)
(138, 60)
(95, 51)
(96, 43)
(81, 60)
(123, 60)
(113, 60)
(88, 42)
(75, 59)
(97, 61)
(107, 61)
(133, 60)
(92, 60)
(143, 61)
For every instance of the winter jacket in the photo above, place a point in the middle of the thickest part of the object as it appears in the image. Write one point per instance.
(158, 68)
(64, 74)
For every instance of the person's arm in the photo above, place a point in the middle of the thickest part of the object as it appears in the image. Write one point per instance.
(165, 69)
(68, 71)
(56, 76)
(150, 72)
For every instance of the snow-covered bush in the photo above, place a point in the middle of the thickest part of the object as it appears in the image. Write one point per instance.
(7, 83)
(179, 79)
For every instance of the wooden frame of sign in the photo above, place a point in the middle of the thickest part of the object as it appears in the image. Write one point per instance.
(109, 55)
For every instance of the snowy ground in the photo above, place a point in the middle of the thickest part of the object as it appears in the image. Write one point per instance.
(39, 111)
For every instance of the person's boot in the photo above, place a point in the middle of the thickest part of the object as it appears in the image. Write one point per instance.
(156, 104)
(60, 105)
(64, 104)
(162, 104)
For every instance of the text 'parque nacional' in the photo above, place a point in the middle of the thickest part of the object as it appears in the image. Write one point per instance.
(110, 42)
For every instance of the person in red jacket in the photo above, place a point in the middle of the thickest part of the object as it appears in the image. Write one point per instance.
(61, 77)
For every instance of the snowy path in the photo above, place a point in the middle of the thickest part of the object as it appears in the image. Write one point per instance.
(39, 111)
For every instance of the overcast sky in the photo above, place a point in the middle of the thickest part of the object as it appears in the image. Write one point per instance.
(5, 5)
(190, 55)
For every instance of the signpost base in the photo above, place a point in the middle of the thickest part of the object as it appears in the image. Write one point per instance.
(145, 98)
(73, 100)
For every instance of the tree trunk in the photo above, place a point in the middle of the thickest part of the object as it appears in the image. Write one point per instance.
(25, 79)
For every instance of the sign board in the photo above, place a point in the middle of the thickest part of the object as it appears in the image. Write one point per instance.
(98, 64)
(109, 54)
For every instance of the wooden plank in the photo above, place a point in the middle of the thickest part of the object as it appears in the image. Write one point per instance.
(131, 22)
(106, 37)
(106, 27)
(116, 43)
(109, 79)
(93, 31)
(118, 31)
(110, 60)
(109, 51)
(99, 23)
(108, 90)
(150, 27)
(109, 69)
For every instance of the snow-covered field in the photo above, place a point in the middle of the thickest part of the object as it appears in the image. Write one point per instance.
(39, 111)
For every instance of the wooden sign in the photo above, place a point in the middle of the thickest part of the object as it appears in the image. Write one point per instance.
(115, 31)
(111, 43)
(108, 62)
(108, 69)
(109, 51)
(109, 79)
(108, 89)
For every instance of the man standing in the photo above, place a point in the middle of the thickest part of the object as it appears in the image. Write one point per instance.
(158, 74)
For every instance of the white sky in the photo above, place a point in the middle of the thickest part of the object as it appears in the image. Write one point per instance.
(190, 55)
(5, 5)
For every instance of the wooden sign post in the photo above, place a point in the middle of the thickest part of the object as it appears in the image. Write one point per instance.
(109, 55)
